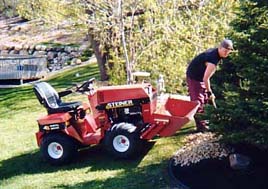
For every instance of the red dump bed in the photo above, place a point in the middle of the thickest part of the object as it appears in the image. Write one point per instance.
(170, 116)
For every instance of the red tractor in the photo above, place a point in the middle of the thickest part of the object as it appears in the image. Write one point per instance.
(120, 117)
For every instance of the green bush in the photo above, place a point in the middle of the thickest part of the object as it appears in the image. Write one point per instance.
(117, 72)
(240, 85)
(86, 54)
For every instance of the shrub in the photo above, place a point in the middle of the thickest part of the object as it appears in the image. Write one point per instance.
(240, 85)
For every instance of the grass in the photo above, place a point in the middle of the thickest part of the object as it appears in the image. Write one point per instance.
(21, 164)
(54, 45)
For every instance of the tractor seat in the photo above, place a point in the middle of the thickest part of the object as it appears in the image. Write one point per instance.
(49, 97)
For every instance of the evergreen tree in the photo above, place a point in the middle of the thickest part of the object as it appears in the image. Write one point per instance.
(240, 84)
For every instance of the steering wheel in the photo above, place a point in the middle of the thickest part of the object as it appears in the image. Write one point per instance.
(86, 86)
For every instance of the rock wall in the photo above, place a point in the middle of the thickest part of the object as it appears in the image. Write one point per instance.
(22, 37)
(57, 57)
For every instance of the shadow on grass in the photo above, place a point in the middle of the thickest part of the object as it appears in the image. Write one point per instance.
(146, 177)
(96, 158)
(185, 131)
(24, 93)
(29, 163)
(132, 176)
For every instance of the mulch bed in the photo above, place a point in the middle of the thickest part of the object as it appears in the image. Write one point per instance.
(217, 174)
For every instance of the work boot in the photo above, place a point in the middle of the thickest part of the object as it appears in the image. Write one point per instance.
(202, 125)
(202, 129)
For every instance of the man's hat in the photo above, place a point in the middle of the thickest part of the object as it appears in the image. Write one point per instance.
(227, 44)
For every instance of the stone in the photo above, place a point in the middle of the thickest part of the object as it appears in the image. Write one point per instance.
(239, 161)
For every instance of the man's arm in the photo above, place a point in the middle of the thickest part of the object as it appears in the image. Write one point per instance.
(210, 70)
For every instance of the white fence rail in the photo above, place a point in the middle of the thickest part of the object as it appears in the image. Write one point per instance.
(22, 67)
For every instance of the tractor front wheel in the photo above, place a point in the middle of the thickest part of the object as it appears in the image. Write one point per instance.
(123, 141)
(58, 149)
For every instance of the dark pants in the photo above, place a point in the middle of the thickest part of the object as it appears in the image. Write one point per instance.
(196, 91)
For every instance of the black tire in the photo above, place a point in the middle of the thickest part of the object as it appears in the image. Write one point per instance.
(123, 141)
(58, 149)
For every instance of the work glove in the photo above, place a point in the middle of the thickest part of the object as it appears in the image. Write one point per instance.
(211, 98)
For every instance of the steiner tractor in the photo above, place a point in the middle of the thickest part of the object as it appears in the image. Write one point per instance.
(120, 117)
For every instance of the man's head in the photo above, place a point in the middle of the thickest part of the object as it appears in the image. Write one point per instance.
(225, 48)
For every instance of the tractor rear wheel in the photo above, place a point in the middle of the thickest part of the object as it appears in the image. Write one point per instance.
(58, 149)
(123, 140)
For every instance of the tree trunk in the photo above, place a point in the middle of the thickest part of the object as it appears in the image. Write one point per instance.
(123, 40)
(4, 3)
(100, 56)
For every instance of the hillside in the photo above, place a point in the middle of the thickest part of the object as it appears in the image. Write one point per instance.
(19, 32)
(62, 45)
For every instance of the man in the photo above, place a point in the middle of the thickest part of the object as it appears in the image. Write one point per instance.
(199, 72)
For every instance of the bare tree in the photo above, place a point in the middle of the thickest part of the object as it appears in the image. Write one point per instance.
(107, 32)
(121, 26)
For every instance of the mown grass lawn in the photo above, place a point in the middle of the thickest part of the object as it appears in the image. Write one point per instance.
(21, 164)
